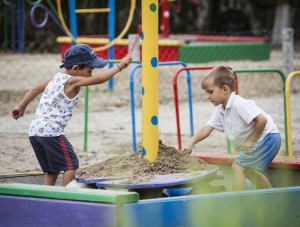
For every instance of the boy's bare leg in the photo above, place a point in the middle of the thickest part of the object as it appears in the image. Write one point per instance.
(68, 177)
(239, 178)
(51, 178)
(258, 179)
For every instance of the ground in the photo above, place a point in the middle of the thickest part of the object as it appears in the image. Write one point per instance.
(110, 118)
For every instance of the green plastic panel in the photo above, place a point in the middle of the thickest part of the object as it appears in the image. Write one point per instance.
(57, 192)
(210, 52)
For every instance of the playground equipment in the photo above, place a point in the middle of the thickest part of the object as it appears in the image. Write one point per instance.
(91, 207)
(47, 14)
(132, 101)
(20, 24)
(153, 188)
(19, 43)
(288, 112)
(52, 206)
(150, 80)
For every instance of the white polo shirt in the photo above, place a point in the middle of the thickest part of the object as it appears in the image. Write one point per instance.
(237, 120)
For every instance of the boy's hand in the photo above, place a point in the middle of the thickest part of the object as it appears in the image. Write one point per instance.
(126, 61)
(187, 150)
(17, 112)
(247, 144)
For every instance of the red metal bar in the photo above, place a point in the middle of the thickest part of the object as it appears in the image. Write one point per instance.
(136, 38)
(165, 18)
(218, 38)
(175, 89)
(228, 159)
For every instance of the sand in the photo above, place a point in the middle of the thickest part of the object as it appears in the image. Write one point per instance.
(110, 117)
(136, 169)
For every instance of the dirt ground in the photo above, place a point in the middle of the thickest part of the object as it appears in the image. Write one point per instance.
(110, 117)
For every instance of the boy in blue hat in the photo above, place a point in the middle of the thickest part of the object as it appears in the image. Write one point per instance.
(249, 129)
(60, 95)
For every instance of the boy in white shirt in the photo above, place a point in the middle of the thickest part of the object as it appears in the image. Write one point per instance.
(60, 95)
(249, 129)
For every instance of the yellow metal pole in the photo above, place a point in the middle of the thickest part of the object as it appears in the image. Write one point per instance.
(288, 110)
(150, 79)
(103, 10)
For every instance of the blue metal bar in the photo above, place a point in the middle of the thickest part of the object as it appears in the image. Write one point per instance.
(111, 33)
(73, 19)
(131, 85)
(13, 33)
(19, 26)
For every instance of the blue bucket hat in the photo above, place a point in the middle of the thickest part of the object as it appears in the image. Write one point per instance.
(82, 54)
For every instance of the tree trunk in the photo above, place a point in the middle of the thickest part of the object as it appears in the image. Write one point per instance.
(283, 18)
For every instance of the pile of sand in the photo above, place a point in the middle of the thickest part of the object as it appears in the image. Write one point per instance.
(138, 169)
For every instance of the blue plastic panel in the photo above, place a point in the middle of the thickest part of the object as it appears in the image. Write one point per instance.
(269, 207)
(40, 212)
(161, 181)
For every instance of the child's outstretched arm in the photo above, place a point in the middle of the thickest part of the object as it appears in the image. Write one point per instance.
(100, 78)
(201, 134)
(260, 124)
(18, 111)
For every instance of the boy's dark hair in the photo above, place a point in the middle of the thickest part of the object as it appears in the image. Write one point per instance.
(79, 66)
(221, 76)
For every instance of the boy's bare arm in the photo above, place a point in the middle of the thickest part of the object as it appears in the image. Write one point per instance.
(260, 124)
(18, 111)
(201, 134)
(101, 77)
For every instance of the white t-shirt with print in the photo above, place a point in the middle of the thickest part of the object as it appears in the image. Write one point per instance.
(54, 110)
(236, 120)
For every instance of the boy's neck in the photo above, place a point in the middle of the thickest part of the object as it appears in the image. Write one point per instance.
(226, 100)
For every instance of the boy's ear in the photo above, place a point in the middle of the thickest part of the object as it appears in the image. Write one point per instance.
(75, 67)
(226, 88)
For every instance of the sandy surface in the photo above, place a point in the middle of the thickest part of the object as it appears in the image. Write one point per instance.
(110, 123)
(136, 169)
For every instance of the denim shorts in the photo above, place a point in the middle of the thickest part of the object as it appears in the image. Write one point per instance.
(261, 154)
(54, 154)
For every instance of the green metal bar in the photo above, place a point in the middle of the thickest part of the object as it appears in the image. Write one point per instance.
(118, 61)
(86, 106)
(34, 2)
(86, 113)
(79, 194)
(265, 70)
(53, 8)
(228, 146)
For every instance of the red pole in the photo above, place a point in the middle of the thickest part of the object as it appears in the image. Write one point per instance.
(165, 18)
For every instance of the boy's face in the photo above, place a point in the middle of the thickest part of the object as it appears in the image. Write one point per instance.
(85, 72)
(216, 94)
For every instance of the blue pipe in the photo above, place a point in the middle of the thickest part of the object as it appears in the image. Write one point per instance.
(20, 43)
(73, 19)
(131, 85)
(111, 33)
(47, 14)
(13, 34)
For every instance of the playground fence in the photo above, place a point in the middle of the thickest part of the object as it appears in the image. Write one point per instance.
(21, 71)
